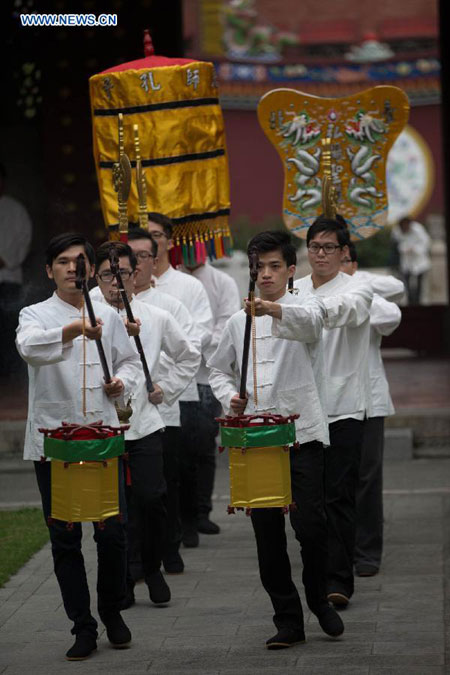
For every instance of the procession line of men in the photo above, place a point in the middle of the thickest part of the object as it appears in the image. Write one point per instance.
(312, 352)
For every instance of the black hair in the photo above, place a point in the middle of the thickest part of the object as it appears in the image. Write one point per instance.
(162, 220)
(120, 249)
(323, 224)
(139, 233)
(273, 240)
(2, 171)
(62, 242)
(352, 251)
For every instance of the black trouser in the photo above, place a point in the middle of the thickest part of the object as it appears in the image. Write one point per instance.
(369, 496)
(342, 460)
(210, 408)
(198, 455)
(69, 563)
(309, 524)
(147, 514)
(171, 440)
(413, 283)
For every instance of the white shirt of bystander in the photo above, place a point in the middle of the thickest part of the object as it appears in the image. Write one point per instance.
(15, 238)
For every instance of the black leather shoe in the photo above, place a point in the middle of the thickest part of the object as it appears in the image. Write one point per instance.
(286, 637)
(206, 526)
(339, 600)
(173, 563)
(366, 570)
(158, 589)
(330, 621)
(117, 631)
(190, 536)
(129, 599)
(82, 648)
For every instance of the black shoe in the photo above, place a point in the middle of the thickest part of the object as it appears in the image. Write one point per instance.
(206, 526)
(190, 536)
(117, 631)
(330, 621)
(339, 600)
(82, 648)
(366, 570)
(158, 589)
(173, 563)
(286, 637)
(136, 572)
(129, 599)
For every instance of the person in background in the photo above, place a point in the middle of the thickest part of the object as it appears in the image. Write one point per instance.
(145, 249)
(385, 317)
(191, 293)
(146, 496)
(413, 242)
(345, 344)
(15, 240)
(223, 295)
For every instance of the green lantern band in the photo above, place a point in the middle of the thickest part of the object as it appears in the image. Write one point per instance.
(84, 451)
(258, 437)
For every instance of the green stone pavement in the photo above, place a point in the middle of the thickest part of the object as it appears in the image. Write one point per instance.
(220, 617)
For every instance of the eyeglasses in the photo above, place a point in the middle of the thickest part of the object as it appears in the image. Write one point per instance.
(144, 255)
(157, 234)
(107, 276)
(328, 249)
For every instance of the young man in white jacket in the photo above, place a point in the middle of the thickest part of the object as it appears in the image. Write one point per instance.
(157, 331)
(191, 293)
(223, 295)
(385, 317)
(286, 384)
(50, 339)
(345, 344)
(145, 248)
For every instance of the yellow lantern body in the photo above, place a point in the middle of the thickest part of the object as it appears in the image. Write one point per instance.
(260, 477)
(85, 491)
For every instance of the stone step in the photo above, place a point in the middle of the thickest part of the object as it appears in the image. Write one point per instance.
(398, 444)
(430, 428)
(12, 436)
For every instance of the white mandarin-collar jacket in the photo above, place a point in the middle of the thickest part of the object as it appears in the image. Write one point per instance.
(286, 381)
(170, 413)
(155, 298)
(223, 296)
(159, 332)
(56, 369)
(345, 343)
(191, 293)
(385, 317)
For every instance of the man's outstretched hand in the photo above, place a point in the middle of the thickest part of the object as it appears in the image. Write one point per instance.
(263, 307)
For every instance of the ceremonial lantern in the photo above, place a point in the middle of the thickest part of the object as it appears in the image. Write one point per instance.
(172, 130)
(344, 140)
(260, 474)
(84, 470)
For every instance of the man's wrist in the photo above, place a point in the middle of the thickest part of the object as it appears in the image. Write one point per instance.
(70, 332)
(275, 310)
